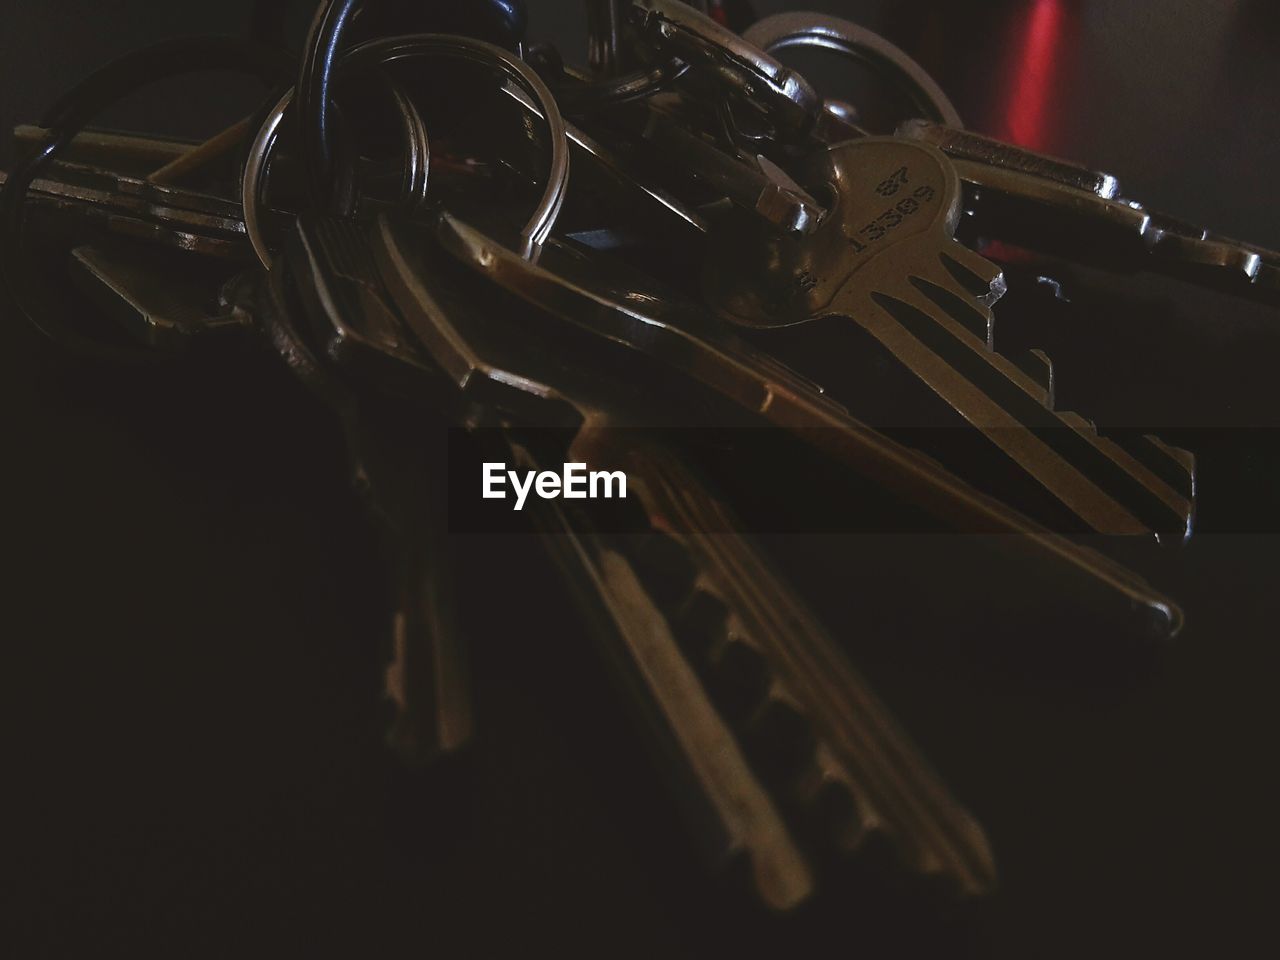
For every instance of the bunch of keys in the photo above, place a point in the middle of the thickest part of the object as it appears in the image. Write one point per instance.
(578, 265)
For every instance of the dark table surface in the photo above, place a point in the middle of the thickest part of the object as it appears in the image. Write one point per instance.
(191, 605)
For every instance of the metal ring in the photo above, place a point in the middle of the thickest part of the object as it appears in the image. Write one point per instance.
(255, 173)
(417, 164)
(388, 50)
(501, 20)
(600, 94)
(417, 168)
(67, 117)
(785, 30)
(782, 94)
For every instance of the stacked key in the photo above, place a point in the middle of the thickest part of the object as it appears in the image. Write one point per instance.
(444, 231)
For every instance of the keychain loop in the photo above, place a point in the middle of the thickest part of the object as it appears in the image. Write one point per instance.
(384, 52)
(389, 50)
(782, 31)
(497, 19)
(67, 117)
(258, 163)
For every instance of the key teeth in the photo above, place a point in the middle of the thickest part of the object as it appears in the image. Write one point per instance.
(836, 811)
(943, 292)
(783, 749)
(778, 736)
(1185, 459)
(981, 278)
(1174, 465)
(1073, 419)
(1037, 365)
(821, 797)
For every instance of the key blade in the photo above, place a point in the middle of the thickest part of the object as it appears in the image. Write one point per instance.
(962, 144)
(1051, 215)
(887, 260)
(159, 307)
(575, 288)
(812, 722)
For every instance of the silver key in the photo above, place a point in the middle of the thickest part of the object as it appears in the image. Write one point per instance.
(800, 748)
(1045, 203)
(887, 260)
(625, 309)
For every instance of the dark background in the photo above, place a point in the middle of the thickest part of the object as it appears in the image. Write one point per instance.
(192, 606)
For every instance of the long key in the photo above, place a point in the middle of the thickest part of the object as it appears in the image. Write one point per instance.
(801, 740)
(426, 681)
(887, 259)
(172, 216)
(1045, 203)
(397, 449)
(624, 308)
(129, 153)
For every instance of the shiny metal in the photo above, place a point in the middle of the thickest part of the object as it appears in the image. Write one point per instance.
(605, 53)
(588, 95)
(387, 51)
(887, 260)
(253, 181)
(737, 820)
(812, 718)
(417, 159)
(966, 145)
(201, 156)
(592, 157)
(684, 603)
(1049, 214)
(785, 31)
(620, 307)
(754, 183)
(780, 93)
(172, 216)
(1046, 203)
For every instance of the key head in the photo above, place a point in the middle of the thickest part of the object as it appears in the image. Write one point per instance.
(888, 199)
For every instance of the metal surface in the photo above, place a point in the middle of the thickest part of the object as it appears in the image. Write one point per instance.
(887, 260)
(755, 184)
(161, 308)
(1044, 202)
(176, 217)
(571, 285)
(387, 52)
(254, 180)
(783, 96)
(786, 31)
(211, 480)
(605, 52)
(1047, 214)
(966, 145)
(665, 638)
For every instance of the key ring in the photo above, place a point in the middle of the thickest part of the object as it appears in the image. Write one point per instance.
(383, 52)
(499, 19)
(780, 93)
(389, 50)
(67, 117)
(253, 180)
(782, 31)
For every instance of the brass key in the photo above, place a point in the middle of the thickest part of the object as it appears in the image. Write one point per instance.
(886, 258)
